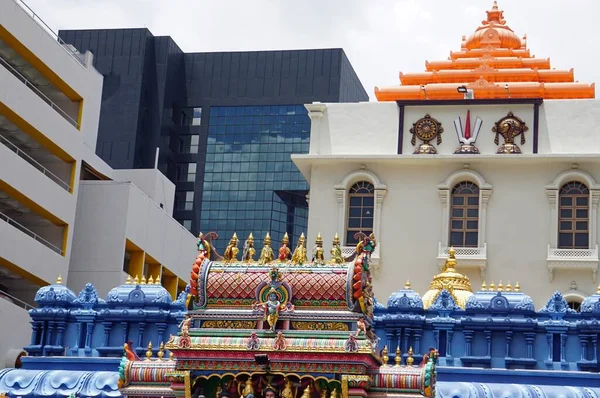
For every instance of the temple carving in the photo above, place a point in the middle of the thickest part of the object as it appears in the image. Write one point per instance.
(494, 62)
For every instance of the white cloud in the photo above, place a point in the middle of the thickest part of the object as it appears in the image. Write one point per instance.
(381, 38)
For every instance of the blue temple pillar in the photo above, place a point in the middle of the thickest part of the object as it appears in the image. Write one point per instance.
(107, 328)
(595, 347)
(449, 343)
(88, 335)
(140, 342)
(125, 329)
(529, 339)
(417, 333)
(583, 342)
(468, 334)
(405, 340)
(161, 327)
(509, 335)
(563, 347)
(549, 338)
(488, 339)
(60, 328)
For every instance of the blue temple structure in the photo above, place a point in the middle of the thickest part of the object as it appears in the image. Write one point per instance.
(449, 343)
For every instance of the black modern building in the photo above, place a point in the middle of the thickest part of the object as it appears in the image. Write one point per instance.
(226, 125)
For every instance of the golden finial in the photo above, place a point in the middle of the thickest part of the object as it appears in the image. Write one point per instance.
(157, 280)
(517, 287)
(151, 280)
(149, 352)
(171, 356)
(319, 238)
(598, 290)
(286, 239)
(59, 280)
(398, 357)
(267, 240)
(385, 357)
(251, 237)
(234, 237)
(483, 286)
(509, 287)
(143, 282)
(407, 285)
(451, 260)
(136, 280)
(410, 359)
(302, 237)
(500, 287)
(336, 239)
(161, 351)
(492, 287)
(128, 280)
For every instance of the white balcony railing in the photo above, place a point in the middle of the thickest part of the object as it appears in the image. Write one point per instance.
(348, 251)
(466, 257)
(571, 259)
(32, 234)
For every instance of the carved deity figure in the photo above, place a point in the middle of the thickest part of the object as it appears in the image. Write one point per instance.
(287, 391)
(306, 393)
(248, 390)
(284, 250)
(299, 256)
(232, 250)
(272, 308)
(249, 251)
(318, 254)
(334, 393)
(266, 254)
(361, 327)
(336, 251)
(280, 344)
(203, 245)
(366, 247)
(184, 326)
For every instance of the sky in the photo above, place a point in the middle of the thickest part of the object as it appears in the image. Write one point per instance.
(380, 37)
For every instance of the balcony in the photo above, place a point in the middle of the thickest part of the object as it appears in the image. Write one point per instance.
(467, 257)
(572, 259)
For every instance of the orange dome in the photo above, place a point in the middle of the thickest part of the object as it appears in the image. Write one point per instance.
(494, 33)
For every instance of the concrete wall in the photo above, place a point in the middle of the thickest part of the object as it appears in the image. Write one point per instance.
(108, 214)
(153, 183)
(16, 331)
(519, 217)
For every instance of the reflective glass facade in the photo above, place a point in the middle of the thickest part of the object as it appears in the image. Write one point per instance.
(250, 181)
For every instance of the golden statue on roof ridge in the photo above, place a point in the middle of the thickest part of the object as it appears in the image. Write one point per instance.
(299, 256)
(231, 252)
(266, 254)
(457, 284)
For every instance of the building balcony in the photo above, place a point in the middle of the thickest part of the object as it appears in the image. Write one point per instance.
(467, 257)
(572, 259)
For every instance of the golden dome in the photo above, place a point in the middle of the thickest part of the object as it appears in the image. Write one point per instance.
(455, 283)
(494, 33)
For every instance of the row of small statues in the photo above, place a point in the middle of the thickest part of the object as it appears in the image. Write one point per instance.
(298, 256)
(397, 359)
(500, 288)
(287, 392)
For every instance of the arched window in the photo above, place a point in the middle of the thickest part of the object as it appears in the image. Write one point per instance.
(573, 216)
(361, 205)
(464, 215)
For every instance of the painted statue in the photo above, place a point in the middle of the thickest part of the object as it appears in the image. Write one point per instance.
(280, 344)
(299, 256)
(266, 254)
(232, 250)
(318, 254)
(366, 247)
(334, 393)
(306, 393)
(248, 390)
(203, 245)
(361, 327)
(249, 251)
(336, 251)
(184, 326)
(284, 251)
(288, 392)
(272, 308)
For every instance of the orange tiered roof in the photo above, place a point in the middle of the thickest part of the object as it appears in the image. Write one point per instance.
(494, 62)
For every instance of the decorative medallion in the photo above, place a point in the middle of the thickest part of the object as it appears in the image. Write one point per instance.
(466, 136)
(426, 129)
(509, 127)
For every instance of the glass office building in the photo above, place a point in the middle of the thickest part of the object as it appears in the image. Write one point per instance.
(226, 124)
(250, 183)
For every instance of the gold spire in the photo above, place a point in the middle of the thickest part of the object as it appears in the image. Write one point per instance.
(161, 351)
(149, 352)
(598, 290)
(385, 357)
(136, 280)
(319, 238)
(151, 280)
(251, 237)
(267, 241)
(398, 357)
(143, 282)
(128, 280)
(286, 239)
(410, 359)
(407, 285)
(500, 287)
(483, 286)
(492, 287)
(457, 284)
(157, 280)
(59, 280)
(517, 287)
(336, 239)
(509, 287)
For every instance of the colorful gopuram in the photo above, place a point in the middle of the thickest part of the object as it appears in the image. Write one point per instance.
(494, 62)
